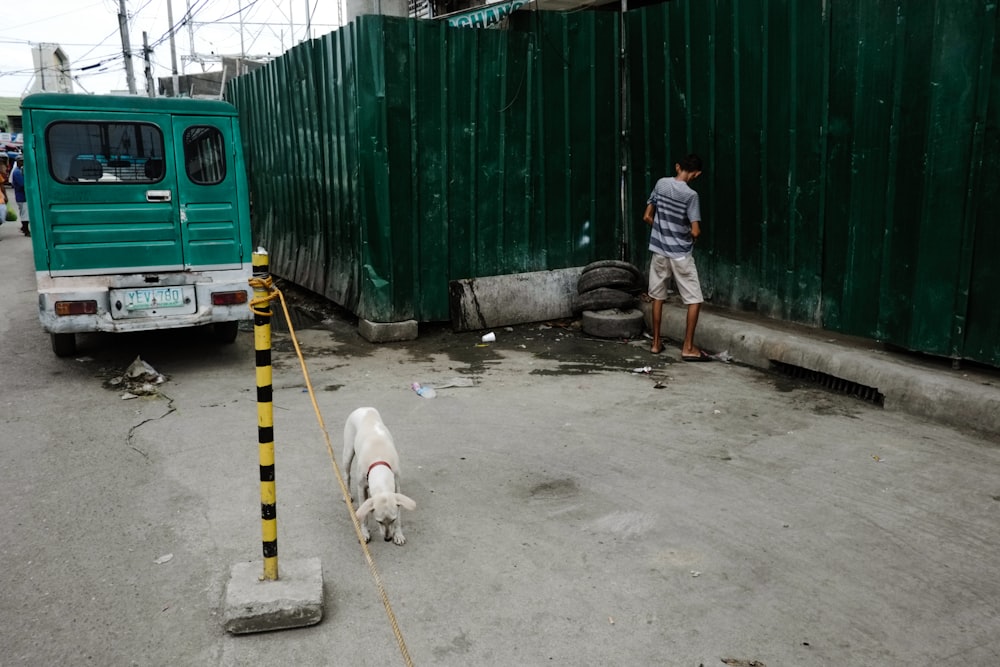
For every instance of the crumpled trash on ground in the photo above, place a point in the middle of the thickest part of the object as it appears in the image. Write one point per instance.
(455, 382)
(139, 379)
(426, 390)
(723, 356)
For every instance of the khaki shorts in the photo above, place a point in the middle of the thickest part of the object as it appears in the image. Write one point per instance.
(682, 270)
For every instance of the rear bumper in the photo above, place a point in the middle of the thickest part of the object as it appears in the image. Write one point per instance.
(98, 289)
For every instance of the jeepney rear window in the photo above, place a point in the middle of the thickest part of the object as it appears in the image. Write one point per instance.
(204, 155)
(105, 152)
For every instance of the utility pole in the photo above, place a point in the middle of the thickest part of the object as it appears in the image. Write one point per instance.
(191, 30)
(173, 49)
(243, 51)
(150, 88)
(308, 21)
(41, 67)
(126, 47)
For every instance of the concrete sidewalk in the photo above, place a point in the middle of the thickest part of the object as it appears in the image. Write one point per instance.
(926, 387)
(900, 381)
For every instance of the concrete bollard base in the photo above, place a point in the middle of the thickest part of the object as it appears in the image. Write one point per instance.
(294, 600)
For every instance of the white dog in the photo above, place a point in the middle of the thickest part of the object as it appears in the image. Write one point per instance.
(370, 457)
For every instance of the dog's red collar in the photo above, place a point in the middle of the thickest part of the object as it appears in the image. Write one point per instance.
(377, 464)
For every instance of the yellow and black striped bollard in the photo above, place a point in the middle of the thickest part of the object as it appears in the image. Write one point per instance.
(261, 284)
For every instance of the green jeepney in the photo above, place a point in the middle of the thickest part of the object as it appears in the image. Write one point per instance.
(139, 214)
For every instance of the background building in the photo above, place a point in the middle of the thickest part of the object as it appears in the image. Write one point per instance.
(52, 70)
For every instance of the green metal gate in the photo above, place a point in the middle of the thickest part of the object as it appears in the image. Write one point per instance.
(851, 150)
(852, 159)
(393, 156)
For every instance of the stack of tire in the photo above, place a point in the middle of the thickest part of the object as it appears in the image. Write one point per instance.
(607, 299)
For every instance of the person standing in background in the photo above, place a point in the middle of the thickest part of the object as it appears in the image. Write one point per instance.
(3, 187)
(4, 177)
(17, 181)
(673, 212)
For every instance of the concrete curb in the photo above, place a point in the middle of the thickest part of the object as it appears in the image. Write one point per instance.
(387, 332)
(951, 397)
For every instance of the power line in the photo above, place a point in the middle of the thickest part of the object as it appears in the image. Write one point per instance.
(101, 58)
(49, 18)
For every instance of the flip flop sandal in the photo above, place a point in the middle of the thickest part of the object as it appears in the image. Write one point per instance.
(701, 356)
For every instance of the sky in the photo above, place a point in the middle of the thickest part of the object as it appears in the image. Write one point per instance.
(88, 33)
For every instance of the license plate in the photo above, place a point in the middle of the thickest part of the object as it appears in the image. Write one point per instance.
(152, 298)
(156, 302)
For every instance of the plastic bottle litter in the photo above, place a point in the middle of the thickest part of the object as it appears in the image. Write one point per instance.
(644, 369)
(423, 391)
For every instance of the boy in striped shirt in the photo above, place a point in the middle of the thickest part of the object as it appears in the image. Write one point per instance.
(674, 214)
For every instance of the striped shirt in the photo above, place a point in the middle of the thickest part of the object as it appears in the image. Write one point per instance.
(676, 205)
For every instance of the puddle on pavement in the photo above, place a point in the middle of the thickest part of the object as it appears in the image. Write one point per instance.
(559, 341)
(786, 384)
(300, 318)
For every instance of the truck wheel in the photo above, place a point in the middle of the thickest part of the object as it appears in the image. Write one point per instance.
(225, 332)
(612, 323)
(63, 344)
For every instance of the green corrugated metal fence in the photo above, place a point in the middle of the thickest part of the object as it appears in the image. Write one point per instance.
(852, 159)
(393, 156)
(851, 150)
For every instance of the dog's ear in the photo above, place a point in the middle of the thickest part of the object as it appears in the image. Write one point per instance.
(365, 509)
(405, 503)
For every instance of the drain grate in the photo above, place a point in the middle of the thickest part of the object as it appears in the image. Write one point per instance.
(831, 382)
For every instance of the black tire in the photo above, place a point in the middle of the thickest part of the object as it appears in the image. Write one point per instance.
(615, 264)
(613, 323)
(608, 276)
(603, 298)
(225, 332)
(63, 344)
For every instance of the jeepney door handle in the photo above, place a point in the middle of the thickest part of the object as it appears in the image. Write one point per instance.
(157, 195)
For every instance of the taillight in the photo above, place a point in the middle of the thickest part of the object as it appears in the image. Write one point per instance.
(228, 298)
(76, 307)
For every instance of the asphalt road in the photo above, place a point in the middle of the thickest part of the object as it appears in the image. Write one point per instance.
(569, 510)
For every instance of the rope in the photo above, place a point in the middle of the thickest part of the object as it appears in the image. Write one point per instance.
(274, 293)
